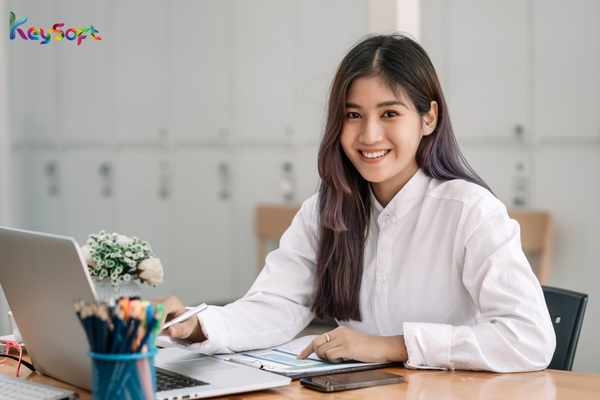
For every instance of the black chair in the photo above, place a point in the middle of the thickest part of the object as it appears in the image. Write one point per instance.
(566, 311)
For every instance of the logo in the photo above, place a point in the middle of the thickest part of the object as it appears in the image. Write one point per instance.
(34, 33)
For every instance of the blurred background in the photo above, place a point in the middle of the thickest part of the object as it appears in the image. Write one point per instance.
(188, 114)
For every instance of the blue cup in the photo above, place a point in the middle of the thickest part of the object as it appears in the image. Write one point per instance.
(123, 376)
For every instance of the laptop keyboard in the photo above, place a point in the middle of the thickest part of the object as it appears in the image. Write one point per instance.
(14, 388)
(169, 380)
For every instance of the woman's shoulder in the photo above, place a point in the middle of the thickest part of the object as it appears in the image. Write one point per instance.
(460, 190)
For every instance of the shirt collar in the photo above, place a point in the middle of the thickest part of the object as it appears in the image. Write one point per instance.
(408, 197)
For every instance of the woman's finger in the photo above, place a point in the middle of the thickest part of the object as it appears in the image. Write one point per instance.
(308, 350)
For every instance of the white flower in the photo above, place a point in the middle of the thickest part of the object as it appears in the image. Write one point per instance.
(87, 257)
(123, 240)
(151, 271)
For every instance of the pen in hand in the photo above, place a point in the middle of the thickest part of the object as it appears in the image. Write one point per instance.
(186, 315)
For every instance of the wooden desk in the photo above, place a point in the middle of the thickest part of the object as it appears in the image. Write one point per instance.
(439, 385)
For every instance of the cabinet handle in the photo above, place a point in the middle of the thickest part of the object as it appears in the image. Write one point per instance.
(519, 130)
(106, 176)
(225, 181)
(286, 186)
(51, 171)
(164, 181)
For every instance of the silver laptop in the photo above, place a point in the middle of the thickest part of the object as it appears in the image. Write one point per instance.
(42, 275)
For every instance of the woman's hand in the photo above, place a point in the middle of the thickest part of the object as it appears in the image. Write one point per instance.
(347, 343)
(189, 329)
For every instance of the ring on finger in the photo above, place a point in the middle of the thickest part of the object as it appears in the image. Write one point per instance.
(327, 337)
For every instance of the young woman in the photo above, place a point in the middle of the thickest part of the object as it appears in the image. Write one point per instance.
(404, 245)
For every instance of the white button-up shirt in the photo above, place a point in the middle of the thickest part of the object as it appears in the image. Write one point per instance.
(443, 266)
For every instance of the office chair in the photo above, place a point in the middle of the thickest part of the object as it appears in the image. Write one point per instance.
(537, 230)
(566, 311)
(271, 222)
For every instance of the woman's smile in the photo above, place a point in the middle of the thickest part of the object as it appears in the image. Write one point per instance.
(373, 156)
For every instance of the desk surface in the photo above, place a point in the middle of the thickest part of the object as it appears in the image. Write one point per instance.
(548, 384)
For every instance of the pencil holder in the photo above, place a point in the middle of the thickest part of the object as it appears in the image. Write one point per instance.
(123, 376)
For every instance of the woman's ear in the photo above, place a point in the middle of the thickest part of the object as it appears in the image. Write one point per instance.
(430, 119)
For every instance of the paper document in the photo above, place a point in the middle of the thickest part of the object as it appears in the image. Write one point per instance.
(282, 360)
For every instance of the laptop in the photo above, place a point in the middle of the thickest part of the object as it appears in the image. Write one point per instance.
(43, 274)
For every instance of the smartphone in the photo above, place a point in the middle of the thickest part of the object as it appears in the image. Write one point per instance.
(350, 380)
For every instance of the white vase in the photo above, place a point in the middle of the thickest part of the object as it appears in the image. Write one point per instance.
(105, 290)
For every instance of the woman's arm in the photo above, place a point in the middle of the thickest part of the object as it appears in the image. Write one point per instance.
(513, 332)
(276, 307)
(344, 342)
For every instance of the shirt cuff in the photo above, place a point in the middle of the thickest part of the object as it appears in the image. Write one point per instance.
(214, 329)
(428, 345)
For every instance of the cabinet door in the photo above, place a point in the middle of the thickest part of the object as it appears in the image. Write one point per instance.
(326, 31)
(140, 69)
(263, 69)
(89, 193)
(262, 176)
(84, 72)
(39, 184)
(203, 227)
(568, 186)
(200, 103)
(487, 68)
(567, 62)
(144, 208)
(34, 92)
(507, 170)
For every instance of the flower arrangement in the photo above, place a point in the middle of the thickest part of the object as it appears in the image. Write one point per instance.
(122, 259)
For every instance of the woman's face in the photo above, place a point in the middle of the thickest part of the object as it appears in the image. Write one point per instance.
(381, 135)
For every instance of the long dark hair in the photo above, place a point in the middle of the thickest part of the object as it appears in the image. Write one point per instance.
(344, 198)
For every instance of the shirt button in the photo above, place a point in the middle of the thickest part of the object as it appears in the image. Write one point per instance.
(382, 279)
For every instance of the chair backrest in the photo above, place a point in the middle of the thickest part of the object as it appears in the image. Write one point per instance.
(537, 231)
(271, 222)
(566, 310)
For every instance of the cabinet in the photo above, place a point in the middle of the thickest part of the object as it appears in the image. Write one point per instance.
(263, 69)
(89, 192)
(85, 92)
(35, 93)
(39, 190)
(200, 59)
(144, 184)
(175, 125)
(485, 63)
(140, 70)
(567, 61)
(204, 220)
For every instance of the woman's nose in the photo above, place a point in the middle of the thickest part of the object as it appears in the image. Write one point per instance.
(372, 132)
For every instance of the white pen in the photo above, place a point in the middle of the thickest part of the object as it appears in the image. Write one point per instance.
(186, 315)
(246, 363)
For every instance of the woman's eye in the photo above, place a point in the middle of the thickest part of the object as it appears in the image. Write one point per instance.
(353, 115)
(390, 114)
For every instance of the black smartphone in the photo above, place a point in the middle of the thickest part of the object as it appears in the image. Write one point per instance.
(350, 380)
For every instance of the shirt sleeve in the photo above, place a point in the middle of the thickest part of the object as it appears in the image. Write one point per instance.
(277, 306)
(513, 331)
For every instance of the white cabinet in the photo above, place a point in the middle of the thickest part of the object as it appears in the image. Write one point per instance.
(203, 226)
(262, 176)
(485, 62)
(200, 55)
(144, 186)
(567, 65)
(140, 69)
(89, 192)
(33, 67)
(319, 52)
(85, 90)
(263, 69)
(39, 185)
(507, 170)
